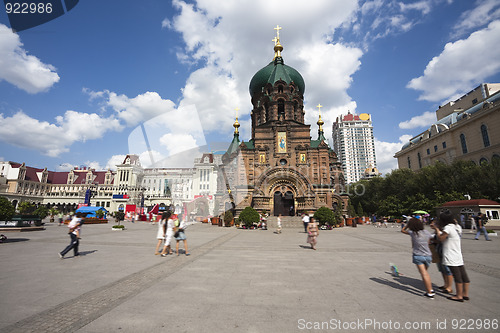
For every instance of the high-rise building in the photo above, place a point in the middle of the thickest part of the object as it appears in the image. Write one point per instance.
(354, 144)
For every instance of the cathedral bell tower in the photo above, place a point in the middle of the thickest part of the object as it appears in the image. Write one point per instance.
(280, 169)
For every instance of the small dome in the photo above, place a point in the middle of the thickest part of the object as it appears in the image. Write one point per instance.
(276, 70)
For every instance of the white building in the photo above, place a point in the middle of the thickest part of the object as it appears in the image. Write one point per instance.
(354, 144)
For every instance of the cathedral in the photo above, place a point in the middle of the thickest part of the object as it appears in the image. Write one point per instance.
(280, 169)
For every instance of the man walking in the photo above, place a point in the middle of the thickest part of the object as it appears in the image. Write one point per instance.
(480, 227)
(74, 233)
(305, 219)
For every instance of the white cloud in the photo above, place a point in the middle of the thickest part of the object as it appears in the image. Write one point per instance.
(176, 143)
(140, 108)
(65, 167)
(423, 6)
(54, 139)
(424, 120)
(481, 15)
(461, 66)
(228, 60)
(385, 153)
(24, 71)
(114, 161)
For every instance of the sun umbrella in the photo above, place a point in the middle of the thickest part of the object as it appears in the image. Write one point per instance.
(420, 212)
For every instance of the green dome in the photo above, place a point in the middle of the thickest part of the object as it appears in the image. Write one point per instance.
(276, 70)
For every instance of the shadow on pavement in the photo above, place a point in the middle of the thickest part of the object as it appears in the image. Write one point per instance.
(410, 285)
(15, 240)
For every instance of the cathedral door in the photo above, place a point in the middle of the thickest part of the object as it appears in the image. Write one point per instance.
(284, 203)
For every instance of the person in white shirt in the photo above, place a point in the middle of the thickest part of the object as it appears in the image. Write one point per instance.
(74, 233)
(278, 222)
(449, 233)
(305, 219)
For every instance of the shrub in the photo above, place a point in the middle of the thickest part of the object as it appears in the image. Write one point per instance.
(6, 209)
(228, 218)
(42, 212)
(249, 216)
(118, 226)
(119, 216)
(26, 208)
(325, 216)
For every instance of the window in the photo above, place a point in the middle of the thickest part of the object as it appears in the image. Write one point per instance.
(444, 144)
(409, 163)
(474, 101)
(428, 151)
(281, 108)
(435, 148)
(419, 160)
(483, 160)
(463, 143)
(484, 133)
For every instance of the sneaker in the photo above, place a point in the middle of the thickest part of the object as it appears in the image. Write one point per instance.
(429, 295)
(61, 256)
(164, 254)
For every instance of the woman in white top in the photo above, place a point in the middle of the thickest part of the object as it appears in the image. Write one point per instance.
(161, 232)
(449, 232)
(169, 232)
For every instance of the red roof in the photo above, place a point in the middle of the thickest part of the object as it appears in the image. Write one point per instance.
(350, 117)
(475, 202)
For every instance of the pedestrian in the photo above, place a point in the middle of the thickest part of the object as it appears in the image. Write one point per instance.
(305, 220)
(312, 233)
(437, 258)
(60, 217)
(472, 224)
(180, 227)
(422, 255)
(160, 235)
(74, 233)
(449, 233)
(169, 233)
(481, 228)
(462, 221)
(278, 224)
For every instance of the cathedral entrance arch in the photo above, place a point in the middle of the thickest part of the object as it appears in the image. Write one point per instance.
(284, 202)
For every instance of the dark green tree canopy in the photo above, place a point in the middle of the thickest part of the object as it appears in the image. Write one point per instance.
(403, 191)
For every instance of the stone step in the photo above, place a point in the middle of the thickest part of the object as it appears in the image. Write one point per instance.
(286, 222)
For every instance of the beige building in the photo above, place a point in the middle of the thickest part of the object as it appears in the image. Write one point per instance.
(466, 129)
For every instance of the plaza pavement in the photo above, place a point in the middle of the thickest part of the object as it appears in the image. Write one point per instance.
(235, 281)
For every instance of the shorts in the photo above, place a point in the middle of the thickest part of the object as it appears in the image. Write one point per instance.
(443, 269)
(422, 260)
(168, 238)
(181, 236)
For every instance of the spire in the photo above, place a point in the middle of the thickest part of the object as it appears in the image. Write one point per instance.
(320, 124)
(277, 46)
(233, 146)
(236, 124)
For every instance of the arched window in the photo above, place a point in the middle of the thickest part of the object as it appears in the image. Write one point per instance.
(464, 143)
(483, 160)
(484, 133)
(280, 89)
(281, 109)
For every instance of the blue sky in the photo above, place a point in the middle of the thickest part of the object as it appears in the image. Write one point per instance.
(84, 88)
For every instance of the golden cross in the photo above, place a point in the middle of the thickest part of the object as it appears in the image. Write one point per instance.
(319, 106)
(278, 28)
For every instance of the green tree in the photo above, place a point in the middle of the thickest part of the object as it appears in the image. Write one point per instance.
(42, 212)
(228, 218)
(249, 216)
(6, 209)
(325, 216)
(26, 208)
(359, 210)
